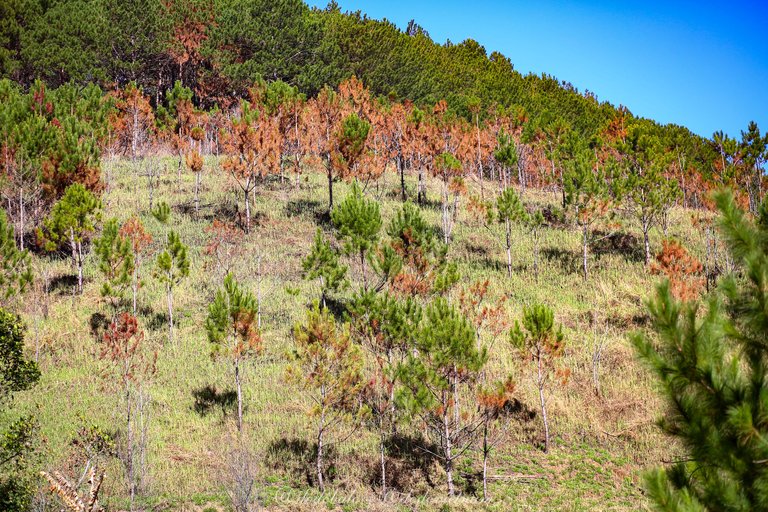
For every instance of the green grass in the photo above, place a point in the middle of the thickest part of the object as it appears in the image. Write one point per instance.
(601, 444)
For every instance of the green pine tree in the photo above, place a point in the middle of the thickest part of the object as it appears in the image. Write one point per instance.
(358, 223)
(543, 344)
(15, 269)
(116, 262)
(322, 263)
(232, 329)
(172, 267)
(444, 358)
(71, 222)
(711, 360)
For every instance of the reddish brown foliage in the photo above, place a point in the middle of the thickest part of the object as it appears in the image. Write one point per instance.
(681, 268)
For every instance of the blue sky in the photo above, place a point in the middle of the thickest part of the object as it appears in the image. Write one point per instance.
(701, 64)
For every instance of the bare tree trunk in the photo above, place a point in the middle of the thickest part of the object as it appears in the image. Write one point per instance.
(401, 170)
(584, 247)
(129, 447)
(197, 193)
(239, 388)
(646, 242)
(448, 448)
(508, 229)
(320, 431)
(169, 291)
(330, 186)
(383, 460)
(362, 264)
(247, 207)
(540, 382)
(486, 453)
(21, 218)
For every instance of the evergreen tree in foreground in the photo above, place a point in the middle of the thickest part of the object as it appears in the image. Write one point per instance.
(712, 363)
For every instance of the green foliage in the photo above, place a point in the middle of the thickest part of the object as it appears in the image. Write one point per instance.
(358, 223)
(17, 372)
(162, 212)
(15, 269)
(116, 261)
(352, 137)
(509, 206)
(322, 263)
(18, 440)
(231, 322)
(710, 360)
(72, 219)
(506, 152)
(539, 334)
(173, 262)
(445, 348)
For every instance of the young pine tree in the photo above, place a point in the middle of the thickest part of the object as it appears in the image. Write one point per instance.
(444, 358)
(322, 263)
(71, 222)
(544, 345)
(172, 267)
(116, 262)
(15, 271)
(509, 209)
(711, 361)
(358, 223)
(329, 368)
(232, 329)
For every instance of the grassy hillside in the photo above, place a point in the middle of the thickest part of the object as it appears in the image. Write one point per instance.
(602, 442)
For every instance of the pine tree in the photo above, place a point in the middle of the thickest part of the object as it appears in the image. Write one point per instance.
(358, 223)
(172, 267)
(116, 262)
(329, 368)
(232, 329)
(509, 209)
(443, 359)
(15, 269)
(710, 359)
(71, 221)
(544, 345)
(587, 195)
(17, 373)
(322, 263)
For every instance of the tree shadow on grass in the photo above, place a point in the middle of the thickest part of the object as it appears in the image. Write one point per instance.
(303, 208)
(298, 458)
(566, 259)
(64, 284)
(623, 244)
(208, 399)
(98, 324)
(409, 459)
(157, 321)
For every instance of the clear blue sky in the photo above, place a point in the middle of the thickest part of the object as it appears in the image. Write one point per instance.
(702, 64)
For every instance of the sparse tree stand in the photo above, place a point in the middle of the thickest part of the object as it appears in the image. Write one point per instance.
(350, 143)
(544, 345)
(646, 191)
(444, 357)
(358, 223)
(449, 169)
(711, 361)
(134, 231)
(233, 330)
(328, 367)
(71, 222)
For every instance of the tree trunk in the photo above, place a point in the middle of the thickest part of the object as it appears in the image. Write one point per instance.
(448, 448)
(135, 283)
(197, 192)
(169, 291)
(509, 246)
(362, 264)
(239, 388)
(540, 382)
(79, 267)
(21, 218)
(330, 188)
(646, 242)
(247, 207)
(129, 448)
(383, 460)
(319, 467)
(584, 247)
(401, 169)
(486, 453)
